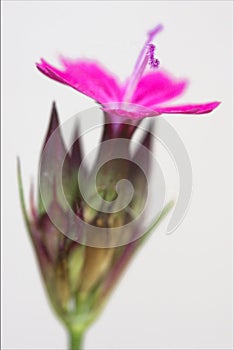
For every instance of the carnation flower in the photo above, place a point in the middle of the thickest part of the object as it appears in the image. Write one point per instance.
(143, 94)
(79, 277)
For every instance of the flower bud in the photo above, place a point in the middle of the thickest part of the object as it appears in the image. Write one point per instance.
(78, 278)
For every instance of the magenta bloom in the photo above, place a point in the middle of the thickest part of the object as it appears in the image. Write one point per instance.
(143, 94)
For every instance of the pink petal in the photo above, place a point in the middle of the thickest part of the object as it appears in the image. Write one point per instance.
(85, 76)
(49, 70)
(125, 111)
(157, 87)
(137, 112)
(189, 108)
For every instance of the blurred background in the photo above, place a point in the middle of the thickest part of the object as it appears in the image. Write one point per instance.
(177, 294)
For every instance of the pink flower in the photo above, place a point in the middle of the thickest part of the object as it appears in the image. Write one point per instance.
(143, 94)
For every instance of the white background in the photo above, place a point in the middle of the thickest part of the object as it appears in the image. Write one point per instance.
(177, 294)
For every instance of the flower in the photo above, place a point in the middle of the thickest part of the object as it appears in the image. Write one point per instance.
(143, 94)
(79, 276)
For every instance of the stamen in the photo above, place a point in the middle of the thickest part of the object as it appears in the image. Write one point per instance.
(154, 62)
(153, 32)
(146, 55)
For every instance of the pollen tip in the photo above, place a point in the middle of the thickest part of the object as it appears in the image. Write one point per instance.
(153, 62)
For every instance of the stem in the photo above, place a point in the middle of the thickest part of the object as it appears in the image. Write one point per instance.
(75, 339)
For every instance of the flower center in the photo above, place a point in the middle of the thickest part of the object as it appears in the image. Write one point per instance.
(146, 56)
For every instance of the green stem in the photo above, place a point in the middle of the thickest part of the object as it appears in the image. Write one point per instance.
(75, 339)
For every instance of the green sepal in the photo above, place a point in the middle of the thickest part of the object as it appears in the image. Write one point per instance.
(21, 196)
